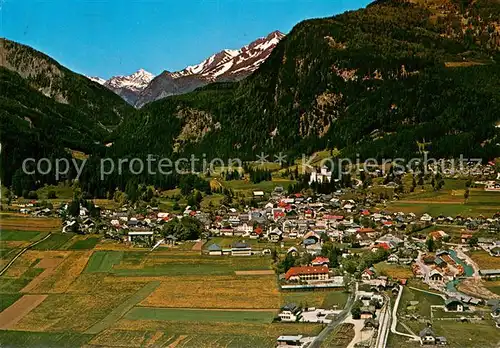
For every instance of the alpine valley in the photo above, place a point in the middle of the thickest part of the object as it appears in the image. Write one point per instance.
(371, 82)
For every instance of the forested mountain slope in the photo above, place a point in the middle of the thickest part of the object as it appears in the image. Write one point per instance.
(47, 110)
(373, 81)
(53, 80)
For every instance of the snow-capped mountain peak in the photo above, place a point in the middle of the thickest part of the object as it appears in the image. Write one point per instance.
(128, 87)
(136, 81)
(229, 62)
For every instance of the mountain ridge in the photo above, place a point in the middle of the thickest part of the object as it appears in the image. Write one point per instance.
(129, 86)
(140, 88)
(226, 65)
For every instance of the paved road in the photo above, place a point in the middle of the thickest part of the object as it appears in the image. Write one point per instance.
(384, 325)
(395, 316)
(21, 252)
(358, 330)
(336, 322)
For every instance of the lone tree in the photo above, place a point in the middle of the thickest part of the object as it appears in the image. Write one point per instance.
(466, 196)
(473, 241)
(356, 310)
(430, 244)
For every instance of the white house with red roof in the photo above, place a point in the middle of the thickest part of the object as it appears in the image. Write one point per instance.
(368, 274)
(321, 261)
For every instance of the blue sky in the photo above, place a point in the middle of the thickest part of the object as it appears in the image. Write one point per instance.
(117, 37)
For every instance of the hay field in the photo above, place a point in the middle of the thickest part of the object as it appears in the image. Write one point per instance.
(215, 292)
(394, 271)
(89, 299)
(123, 308)
(23, 236)
(187, 264)
(103, 261)
(63, 275)
(123, 338)
(18, 222)
(14, 313)
(485, 260)
(219, 334)
(56, 241)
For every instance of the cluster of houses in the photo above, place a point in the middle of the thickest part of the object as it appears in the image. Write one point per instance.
(452, 168)
(440, 267)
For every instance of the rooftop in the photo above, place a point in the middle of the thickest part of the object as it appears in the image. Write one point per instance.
(295, 271)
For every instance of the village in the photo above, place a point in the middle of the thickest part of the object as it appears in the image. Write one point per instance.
(378, 261)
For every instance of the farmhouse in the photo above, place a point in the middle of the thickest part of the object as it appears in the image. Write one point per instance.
(438, 235)
(307, 273)
(320, 261)
(368, 274)
(290, 313)
(426, 218)
(293, 250)
(170, 239)
(241, 249)
(465, 237)
(427, 336)
(393, 258)
(312, 236)
(275, 235)
(214, 250)
(453, 305)
(440, 340)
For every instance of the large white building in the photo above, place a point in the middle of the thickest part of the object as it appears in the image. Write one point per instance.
(324, 175)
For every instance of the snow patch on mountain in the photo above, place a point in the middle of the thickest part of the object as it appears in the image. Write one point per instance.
(96, 79)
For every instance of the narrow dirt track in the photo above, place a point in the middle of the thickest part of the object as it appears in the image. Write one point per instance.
(256, 272)
(198, 246)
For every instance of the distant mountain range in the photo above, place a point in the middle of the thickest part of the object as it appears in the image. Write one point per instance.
(143, 87)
